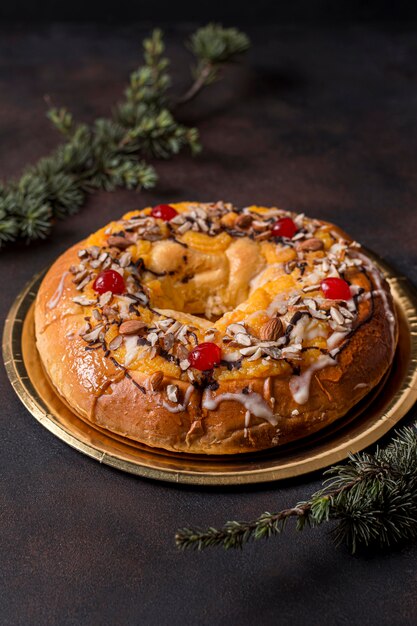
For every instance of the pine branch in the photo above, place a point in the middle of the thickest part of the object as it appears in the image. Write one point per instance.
(372, 499)
(111, 152)
(213, 46)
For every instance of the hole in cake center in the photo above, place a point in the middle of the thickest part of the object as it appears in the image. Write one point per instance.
(205, 302)
(207, 309)
(206, 283)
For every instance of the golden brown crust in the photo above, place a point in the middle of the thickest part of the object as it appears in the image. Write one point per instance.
(123, 401)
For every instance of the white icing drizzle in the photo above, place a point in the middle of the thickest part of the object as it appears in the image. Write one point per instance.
(297, 333)
(267, 386)
(307, 329)
(300, 385)
(313, 330)
(267, 392)
(179, 407)
(253, 402)
(279, 300)
(124, 307)
(314, 277)
(354, 290)
(51, 304)
(376, 275)
(247, 422)
(360, 386)
(335, 339)
(232, 356)
(131, 343)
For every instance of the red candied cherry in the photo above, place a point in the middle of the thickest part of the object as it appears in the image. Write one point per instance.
(284, 227)
(164, 212)
(335, 289)
(109, 280)
(205, 356)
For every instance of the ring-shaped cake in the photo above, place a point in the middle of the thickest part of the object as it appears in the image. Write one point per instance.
(207, 328)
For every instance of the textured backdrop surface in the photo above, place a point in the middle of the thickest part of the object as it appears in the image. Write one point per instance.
(322, 121)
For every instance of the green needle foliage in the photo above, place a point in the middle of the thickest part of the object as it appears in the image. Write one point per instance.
(212, 46)
(371, 500)
(111, 152)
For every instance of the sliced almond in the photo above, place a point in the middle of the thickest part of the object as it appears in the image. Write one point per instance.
(184, 227)
(83, 283)
(93, 251)
(116, 343)
(106, 263)
(105, 298)
(233, 329)
(131, 327)
(181, 352)
(153, 352)
(298, 236)
(116, 241)
(125, 259)
(320, 315)
(243, 339)
(108, 311)
(172, 393)
(271, 330)
(168, 341)
(151, 337)
(260, 226)
(336, 315)
(293, 300)
(310, 303)
(178, 219)
(93, 334)
(309, 288)
(310, 245)
(346, 313)
(290, 266)
(83, 301)
(257, 355)
(155, 380)
(244, 221)
(263, 236)
(248, 351)
(80, 276)
(202, 224)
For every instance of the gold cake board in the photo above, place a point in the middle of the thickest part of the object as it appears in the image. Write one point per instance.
(364, 425)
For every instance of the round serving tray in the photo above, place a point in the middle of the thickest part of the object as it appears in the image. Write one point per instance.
(364, 425)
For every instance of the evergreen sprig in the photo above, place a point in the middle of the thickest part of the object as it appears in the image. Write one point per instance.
(111, 152)
(371, 500)
(212, 47)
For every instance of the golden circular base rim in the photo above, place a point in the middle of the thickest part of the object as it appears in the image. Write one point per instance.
(363, 426)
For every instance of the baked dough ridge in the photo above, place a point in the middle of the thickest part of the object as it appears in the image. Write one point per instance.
(225, 411)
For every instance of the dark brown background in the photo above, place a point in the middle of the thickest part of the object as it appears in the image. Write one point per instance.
(322, 120)
(259, 12)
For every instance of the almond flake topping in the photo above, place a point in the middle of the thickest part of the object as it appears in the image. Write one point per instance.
(172, 339)
(83, 301)
(172, 393)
